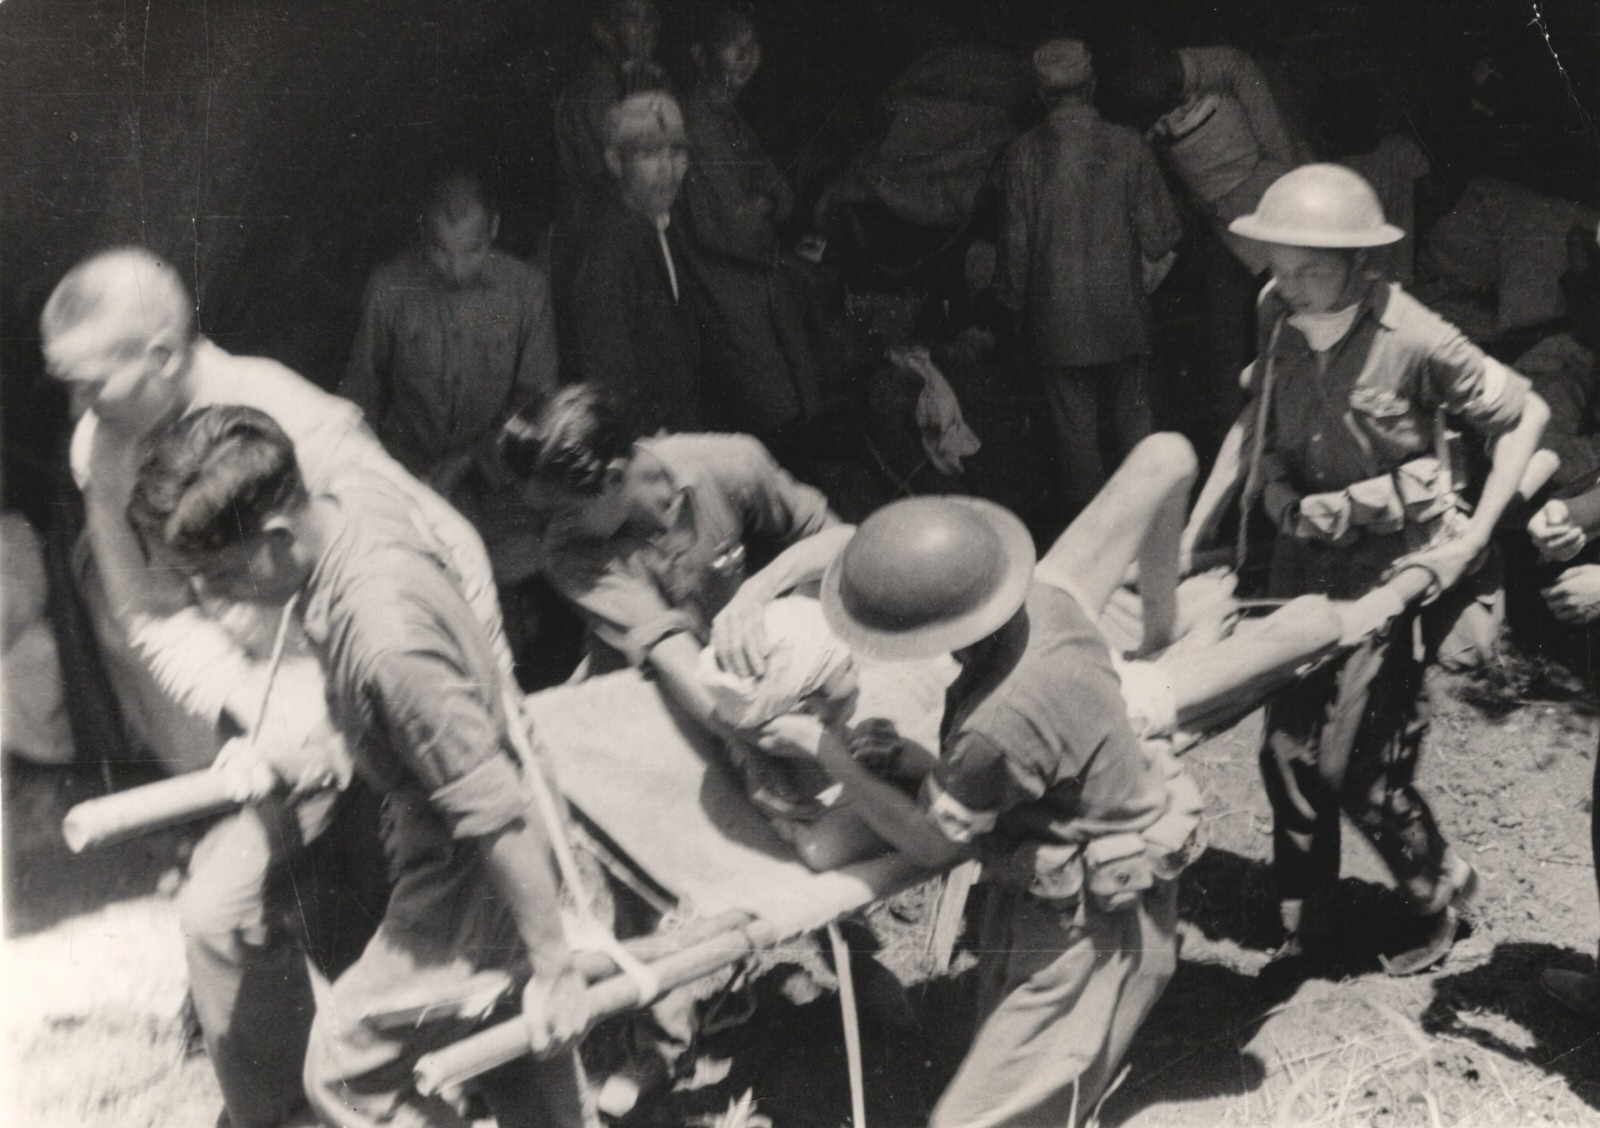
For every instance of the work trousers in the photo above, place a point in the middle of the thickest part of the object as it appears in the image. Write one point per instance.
(1347, 738)
(1101, 412)
(446, 953)
(254, 905)
(1060, 996)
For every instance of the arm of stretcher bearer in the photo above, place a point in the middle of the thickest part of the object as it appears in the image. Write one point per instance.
(894, 816)
(1512, 450)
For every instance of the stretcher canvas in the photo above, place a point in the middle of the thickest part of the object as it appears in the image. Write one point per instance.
(672, 804)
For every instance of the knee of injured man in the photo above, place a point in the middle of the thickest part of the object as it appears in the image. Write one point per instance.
(1166, 454)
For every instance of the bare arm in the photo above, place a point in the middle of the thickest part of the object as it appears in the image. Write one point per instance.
(555, 1006)
(891, 814)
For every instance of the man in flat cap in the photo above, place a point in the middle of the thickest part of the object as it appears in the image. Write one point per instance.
(630, 309)
(1085, 221)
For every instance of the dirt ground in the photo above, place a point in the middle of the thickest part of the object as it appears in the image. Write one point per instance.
(94, 975)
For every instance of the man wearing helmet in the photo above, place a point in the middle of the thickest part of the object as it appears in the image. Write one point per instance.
(1082, 829)
(1352, 391)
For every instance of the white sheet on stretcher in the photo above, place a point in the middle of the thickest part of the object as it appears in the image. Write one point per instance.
(665, 795)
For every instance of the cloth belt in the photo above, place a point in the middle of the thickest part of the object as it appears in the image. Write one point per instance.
(1417, 493)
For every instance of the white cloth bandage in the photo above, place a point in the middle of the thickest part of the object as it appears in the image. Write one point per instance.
(955, 820)
(802, 655)
(586, 934)
(1148, 692)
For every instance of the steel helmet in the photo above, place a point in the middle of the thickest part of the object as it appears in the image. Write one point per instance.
(926, 576)
(1318, 205)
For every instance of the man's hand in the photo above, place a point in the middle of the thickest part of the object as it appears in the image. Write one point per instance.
(1575, 597)
(739, 634)
(1555, 534)
(246, 773)
(555, 1010)
(1448, 561)
(796, 736)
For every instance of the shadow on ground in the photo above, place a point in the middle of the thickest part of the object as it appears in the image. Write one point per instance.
(1473, 1005)
(45, 882)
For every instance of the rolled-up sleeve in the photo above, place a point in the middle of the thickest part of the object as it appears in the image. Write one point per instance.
(621, 605)
(773, 503)
(1484, 393)
(446, 728)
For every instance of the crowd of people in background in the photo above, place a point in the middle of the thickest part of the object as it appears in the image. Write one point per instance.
(620, 429)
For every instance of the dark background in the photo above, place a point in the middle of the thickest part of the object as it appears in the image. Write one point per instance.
(272, 148)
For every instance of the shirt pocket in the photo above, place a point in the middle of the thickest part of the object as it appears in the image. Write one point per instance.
(1391, 424)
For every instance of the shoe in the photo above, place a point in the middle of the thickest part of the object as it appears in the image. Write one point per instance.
(1577, 991)
(1461, 879)
(1439, 938)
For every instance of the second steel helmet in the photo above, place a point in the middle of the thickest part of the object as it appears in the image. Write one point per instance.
(928, 575)
(1319, 205)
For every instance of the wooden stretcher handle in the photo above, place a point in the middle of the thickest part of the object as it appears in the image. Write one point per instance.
(141, 810)
(507, 1041)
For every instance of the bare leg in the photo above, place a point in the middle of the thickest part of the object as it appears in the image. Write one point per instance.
(1222, 485)
(1138, 515)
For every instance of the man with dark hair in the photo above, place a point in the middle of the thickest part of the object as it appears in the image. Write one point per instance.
(119, 330)
(415, 689)
(455, 335)
(1086, 228)
(650, 537)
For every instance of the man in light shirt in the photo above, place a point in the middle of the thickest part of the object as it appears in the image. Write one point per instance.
(119, 329)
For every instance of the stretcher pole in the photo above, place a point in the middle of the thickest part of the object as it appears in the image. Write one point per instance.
(507, 1041)
(156, 806)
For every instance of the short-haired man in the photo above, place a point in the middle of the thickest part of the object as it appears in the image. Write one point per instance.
(652, 538)
(119, 331)
(455, 336)
(630, 309)
(1085, 223)
(1082, 830)
(416, 691)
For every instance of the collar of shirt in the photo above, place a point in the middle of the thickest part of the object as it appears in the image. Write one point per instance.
(1377, 300)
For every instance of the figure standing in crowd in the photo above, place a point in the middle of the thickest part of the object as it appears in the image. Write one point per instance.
(1218, 129)
(625, 35)
(760, 362)
(1222, 133)
(191, 671)
(1082, 830)
(631, 311)
(415, 689)
(1352, 389)
(455, 336)
(1086, 229)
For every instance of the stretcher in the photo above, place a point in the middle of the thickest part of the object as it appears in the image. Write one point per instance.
(657, 788)
(664, 797)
